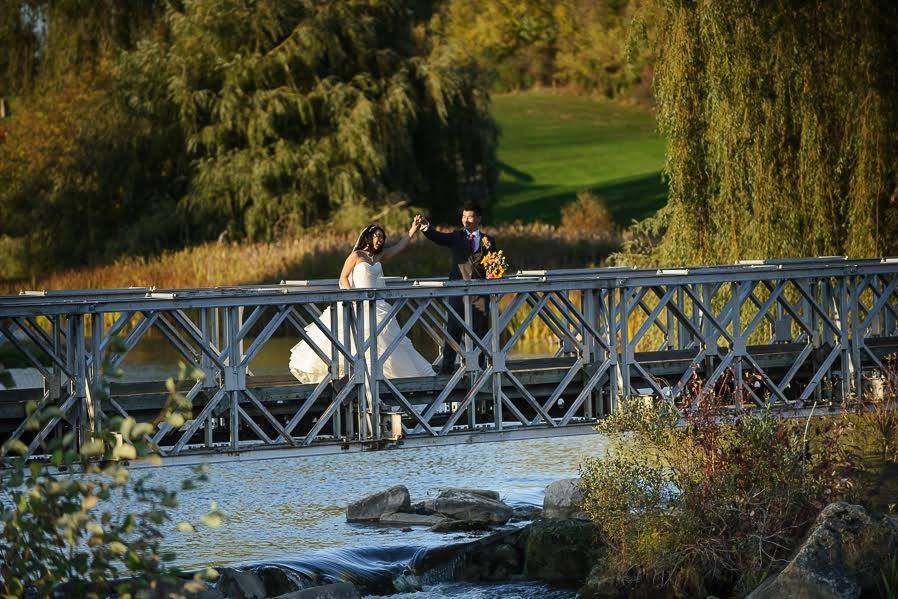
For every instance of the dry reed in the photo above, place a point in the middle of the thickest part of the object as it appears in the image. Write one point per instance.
(317, 255)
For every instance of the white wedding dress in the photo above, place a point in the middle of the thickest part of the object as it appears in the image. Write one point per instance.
(404, 362)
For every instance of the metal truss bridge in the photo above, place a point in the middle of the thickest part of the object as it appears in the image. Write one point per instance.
(563, 347)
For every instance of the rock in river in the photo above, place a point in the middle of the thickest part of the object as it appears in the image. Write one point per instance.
(560, 551)
(338, 590)
(563, 499)
(841, 557)
(374, 507)
(405, 519)
(462, 504)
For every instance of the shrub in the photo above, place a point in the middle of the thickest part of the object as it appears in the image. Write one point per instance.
(57, 538)
(877, 419)
(587, 214)
(710, 502)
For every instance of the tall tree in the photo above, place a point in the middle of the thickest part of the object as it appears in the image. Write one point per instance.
(781, 122)
(18, 49)
(516, 39)
(292, 107)
(43, 40)
(580, 44)
(83, 174)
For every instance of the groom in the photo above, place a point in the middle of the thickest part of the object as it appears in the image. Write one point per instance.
(468, 246)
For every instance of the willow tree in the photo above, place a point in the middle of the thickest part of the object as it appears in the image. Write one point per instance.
(80, 180)
(44, 41)
(781, 122)
(293, 107)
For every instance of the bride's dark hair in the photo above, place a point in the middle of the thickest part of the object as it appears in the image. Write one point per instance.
(366, 237)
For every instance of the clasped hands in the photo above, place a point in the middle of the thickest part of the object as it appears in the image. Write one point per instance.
(418, 223)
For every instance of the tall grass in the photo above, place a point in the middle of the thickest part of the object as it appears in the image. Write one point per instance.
(320, 254)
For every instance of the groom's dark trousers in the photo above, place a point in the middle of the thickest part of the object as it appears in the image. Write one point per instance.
(465, 266)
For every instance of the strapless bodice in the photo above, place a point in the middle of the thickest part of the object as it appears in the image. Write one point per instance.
(366, 276)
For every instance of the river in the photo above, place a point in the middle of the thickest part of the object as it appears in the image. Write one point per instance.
(291, 511)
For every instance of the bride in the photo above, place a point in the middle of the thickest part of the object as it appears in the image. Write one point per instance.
(363, 269)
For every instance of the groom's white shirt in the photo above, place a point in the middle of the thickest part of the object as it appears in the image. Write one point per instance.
(426, 226)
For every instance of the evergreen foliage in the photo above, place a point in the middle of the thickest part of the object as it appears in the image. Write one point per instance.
(781, 123)
(292, 108)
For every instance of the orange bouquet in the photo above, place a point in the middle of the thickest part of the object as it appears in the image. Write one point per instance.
(495, 265)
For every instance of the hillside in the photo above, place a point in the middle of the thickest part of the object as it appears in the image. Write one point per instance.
(554, 145)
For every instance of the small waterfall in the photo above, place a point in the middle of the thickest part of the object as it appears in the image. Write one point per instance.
(373, 570)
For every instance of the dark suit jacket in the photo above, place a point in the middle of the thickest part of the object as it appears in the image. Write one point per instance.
(465, 265)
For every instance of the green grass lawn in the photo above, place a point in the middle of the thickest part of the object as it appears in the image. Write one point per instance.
(554, 145)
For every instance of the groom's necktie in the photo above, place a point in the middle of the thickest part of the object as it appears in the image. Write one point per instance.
(472, 242)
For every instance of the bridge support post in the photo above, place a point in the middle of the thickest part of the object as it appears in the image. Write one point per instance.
(819, 290)
(844, 336)
(472, 364)
(357, 378)
(626, 309)
(589, 351)
(209, 327)
(683, 339)
(80, 384)
(741, 290)
(708, 332)
(497, 361)
(613, 311)
(375, 369)
(235, 375)
(96, 384)
(857, 319)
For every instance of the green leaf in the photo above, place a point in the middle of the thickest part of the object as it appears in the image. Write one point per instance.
(93, 447)
(142, 429)
(124, 452)
(14, 446)
(185, 527)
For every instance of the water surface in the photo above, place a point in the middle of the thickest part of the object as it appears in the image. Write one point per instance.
(288, 507)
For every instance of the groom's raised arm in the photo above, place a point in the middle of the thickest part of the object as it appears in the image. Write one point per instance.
(437, 237)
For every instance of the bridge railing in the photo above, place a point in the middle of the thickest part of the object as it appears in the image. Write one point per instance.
(560, 349)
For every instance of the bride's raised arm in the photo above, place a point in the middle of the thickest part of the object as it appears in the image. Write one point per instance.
(402, 243)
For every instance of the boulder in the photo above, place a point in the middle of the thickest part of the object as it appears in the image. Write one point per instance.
(407, 583)
(240, 584)
(561, 551)
(164, 588)
(563, 499)
(459, 490)
(418, 508)
(406, 519)
(450, 525)
(462, 505)
(338, 590)
(278, 580)
(600, 585)
(841, 557)
(505, 561)
(489, 558)
(374, 507)
(526, 512)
